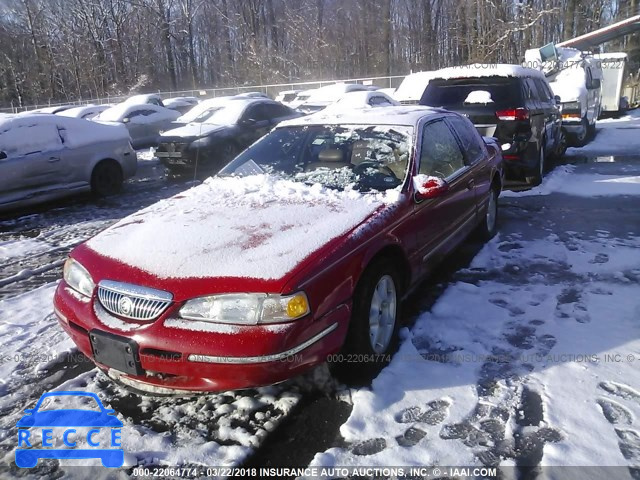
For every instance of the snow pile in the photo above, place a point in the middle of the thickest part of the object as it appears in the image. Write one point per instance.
(119, 112)
(479, 96)
(366, 99)
(469, 377)
(255, 227)
(31, 338)
(413, 86)
(563, 180)
(427, 185)
(21, 135)
(476, 70)
(332, 93)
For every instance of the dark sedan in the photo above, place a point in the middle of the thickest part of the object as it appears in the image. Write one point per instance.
(219, 133)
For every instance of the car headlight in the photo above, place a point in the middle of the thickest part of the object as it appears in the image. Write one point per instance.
(246, 308)
(77, 277)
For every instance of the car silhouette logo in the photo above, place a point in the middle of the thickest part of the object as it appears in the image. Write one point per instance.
(41, 421)
(125, 305)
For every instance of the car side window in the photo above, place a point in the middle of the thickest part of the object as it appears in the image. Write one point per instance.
(472, 143)
(440, 154)
(542, 92)
(255, 112)
(530, 91)
(275, 111)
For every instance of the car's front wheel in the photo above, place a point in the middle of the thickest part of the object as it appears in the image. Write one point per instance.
(372, 335)
(106, 178)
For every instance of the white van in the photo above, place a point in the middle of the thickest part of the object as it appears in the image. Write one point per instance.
(614, 69)
(576, 77)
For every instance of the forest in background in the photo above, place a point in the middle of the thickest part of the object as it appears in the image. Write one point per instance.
(63, 50)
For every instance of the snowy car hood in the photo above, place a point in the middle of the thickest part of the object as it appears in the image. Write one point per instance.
(253, 227)
(193, 130)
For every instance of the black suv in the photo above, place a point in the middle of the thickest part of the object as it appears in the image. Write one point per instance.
(219, 133)
(511, 103)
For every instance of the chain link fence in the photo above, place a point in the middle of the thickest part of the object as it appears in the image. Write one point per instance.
(270, 89)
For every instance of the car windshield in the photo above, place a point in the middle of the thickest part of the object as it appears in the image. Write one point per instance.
(69, 402)
(220, 115)
(364, 157)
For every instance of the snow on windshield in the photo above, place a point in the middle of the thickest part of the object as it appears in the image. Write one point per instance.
(362, 157)
(224, 114)
(257, 226)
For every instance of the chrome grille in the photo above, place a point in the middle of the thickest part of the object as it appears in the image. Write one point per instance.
(133, 301)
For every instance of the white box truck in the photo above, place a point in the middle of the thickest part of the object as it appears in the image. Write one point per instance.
(614, 69)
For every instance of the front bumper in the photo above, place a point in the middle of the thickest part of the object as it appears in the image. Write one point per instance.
(179, 360)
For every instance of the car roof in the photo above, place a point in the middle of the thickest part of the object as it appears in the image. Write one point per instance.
(401, 115)
(481, 70)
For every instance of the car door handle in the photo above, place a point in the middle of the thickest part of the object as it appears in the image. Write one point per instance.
(54, 159)
(470, 184)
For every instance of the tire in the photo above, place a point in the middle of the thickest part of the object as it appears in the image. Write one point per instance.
(106, 178)
(580, 140)
(376, 300)
(561, 147)
(536, 178)
(488, 228)
(228, 152)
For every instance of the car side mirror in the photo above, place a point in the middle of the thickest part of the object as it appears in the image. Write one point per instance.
(595, 83)
(429, 187)
(250, 122)
(3, 155)
(557, 99)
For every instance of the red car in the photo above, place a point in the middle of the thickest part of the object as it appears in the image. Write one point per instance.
(298, 252)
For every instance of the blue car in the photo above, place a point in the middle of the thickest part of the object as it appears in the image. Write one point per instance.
(66, 417)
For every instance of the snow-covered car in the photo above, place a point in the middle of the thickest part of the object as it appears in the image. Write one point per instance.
(252, 95)
(200, 108)
(322, 97)
(150, 98)
(362, 99)
(86, 111)
(509, 102)
(287, 96)
(56, 109)
(180, 104)
(412, 88)
(300, 98)
(219, 133)
(49, 156)
(301, 250)
(143, 121)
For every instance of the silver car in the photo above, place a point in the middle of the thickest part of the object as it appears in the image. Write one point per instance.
(48, 156)
(144, 121)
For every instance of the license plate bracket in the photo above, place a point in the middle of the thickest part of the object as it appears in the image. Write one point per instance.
(116, 352)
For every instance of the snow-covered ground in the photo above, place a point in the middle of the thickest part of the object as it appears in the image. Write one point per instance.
(529, 356)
